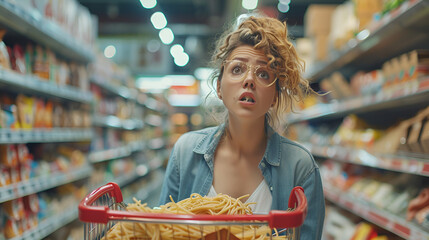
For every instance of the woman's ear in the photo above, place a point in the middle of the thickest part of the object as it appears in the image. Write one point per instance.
(218, 91)
(274, 101)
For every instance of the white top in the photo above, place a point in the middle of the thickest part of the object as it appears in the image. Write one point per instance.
(261, 196)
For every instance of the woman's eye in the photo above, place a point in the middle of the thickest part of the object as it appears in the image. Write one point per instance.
(236, 70)
(263, 75)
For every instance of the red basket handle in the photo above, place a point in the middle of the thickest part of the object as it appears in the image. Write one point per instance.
(275, 218)
(89, 213)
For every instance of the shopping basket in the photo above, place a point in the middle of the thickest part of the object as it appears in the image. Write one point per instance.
(104, 207)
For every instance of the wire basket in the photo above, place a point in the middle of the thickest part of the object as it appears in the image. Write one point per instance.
(104, 207)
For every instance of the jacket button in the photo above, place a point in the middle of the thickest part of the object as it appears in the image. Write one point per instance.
(271, 188)
(263, 164)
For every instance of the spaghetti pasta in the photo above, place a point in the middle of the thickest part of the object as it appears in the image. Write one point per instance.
(195, 204)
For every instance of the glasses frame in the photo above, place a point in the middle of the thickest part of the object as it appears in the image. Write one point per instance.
(249, 66)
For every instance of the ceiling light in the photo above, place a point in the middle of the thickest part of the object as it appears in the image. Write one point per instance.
(110, 51)
(182, 59)
(249, 4)
(284, 8)
(158, 20)
(176, 49)
(166, 36)
(148, 3)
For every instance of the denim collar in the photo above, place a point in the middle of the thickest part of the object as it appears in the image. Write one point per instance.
(212, 136)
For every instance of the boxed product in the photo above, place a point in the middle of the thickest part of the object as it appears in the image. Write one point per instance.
(365, 10)
(4, 54)
(317, 19)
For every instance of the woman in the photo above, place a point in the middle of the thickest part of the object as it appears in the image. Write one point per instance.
(258, 80)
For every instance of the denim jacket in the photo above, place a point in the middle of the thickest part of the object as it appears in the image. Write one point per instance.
(285, 164)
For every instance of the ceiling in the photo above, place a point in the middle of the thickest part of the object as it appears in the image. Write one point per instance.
(199, 19)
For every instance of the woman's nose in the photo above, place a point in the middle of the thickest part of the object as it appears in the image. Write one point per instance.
(249, 80)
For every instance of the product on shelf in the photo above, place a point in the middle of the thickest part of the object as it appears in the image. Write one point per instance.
(365, 11)
(318, 26)
(4, 55)
(418, 208)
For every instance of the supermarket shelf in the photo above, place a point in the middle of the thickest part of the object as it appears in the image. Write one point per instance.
(38, 184)
(115, 153)
(157, 143)
(140, 171)
(400, 31)
(8, 136)
(153, 120)
(34, 26)
(121, 91)
(418, 165)
(50, 225)
(115, 122)
(144, 193)
(403, 97)
(393, 223)
(155, 105)
(34, 85)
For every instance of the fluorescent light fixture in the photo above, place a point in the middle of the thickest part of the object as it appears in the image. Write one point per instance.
(176, 50)
(179, 80)
(284, 8)
(184, 100)
(159, 84)
(153, 84)
(166, 36)
(158, 20)
(148, 4)
(110, 51)
(203, 74)
(182, 59)
(249, 4)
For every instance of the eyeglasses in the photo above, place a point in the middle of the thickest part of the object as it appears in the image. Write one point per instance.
(237, 71)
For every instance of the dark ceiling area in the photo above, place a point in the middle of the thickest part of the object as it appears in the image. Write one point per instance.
(203, 19)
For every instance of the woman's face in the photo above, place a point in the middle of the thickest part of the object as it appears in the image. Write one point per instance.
(244, 87)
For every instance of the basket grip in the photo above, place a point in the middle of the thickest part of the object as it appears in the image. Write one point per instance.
(89, 213)
(294, 218)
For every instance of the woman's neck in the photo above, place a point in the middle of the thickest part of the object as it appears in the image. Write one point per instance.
(247, 137)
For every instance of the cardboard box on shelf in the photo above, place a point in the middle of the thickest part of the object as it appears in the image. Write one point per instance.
(320, 43)
(317, 19)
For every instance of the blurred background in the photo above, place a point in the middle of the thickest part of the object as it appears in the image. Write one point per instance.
(98, 91)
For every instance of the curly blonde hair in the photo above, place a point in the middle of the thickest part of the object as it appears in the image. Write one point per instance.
(271, 36)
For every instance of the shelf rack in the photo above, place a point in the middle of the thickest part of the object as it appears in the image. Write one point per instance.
(389, 221)
(403, 97)
(115, 153)
(31, 84)
(418, 165)
(43, 31)
(38, 184)
(9, 136)
(50, 224)
(381, 41)
(115, 122)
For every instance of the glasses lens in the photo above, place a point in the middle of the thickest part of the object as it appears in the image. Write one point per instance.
(237, 71)
(264, 75)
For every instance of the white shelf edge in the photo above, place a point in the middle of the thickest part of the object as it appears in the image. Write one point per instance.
(115, 122)
(398, 163)
(115, 153)
(11, 136)
(38, 184)
(50, 225)
(44, 32)
(37, 85)
(362, 102)
(382, 218)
